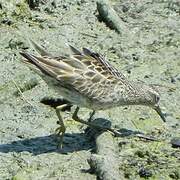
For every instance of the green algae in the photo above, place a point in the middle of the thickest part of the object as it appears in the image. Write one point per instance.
(153, 160)
(14, 11)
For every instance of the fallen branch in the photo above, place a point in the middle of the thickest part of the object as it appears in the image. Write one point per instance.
(105, 163)
(110, 17)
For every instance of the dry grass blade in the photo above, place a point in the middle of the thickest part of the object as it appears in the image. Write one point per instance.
(21, 93)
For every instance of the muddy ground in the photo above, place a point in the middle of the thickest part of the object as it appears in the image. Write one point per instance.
(146, 47)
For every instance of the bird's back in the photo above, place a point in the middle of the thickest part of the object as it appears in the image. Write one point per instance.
(84, 78)
(88, 80)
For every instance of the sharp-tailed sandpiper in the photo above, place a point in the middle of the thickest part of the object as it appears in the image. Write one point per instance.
(87, 79)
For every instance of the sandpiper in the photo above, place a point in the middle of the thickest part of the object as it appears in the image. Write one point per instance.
(87, 79)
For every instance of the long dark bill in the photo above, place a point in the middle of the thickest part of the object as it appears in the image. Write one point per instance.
(158, 110)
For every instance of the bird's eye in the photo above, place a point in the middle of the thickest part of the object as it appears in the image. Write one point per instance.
(157, 98)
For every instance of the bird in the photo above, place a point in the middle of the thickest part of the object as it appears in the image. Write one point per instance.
(87, 79)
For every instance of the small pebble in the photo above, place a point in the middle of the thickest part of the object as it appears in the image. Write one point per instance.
(143, 172)
(175, 142)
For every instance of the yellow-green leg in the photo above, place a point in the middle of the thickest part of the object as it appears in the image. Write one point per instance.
(114, 131)
(61, 129)
(76, 118)
(91, 115)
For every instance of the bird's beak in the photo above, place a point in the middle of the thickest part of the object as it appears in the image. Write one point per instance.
(158, 110)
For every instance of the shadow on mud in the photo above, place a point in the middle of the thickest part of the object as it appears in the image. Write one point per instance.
(72, 142)
(46, 144)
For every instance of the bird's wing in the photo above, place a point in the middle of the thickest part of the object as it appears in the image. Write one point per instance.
(88, 72)
(104, 63)
(40, 49)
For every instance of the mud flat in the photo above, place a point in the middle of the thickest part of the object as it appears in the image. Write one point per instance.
(147, 50)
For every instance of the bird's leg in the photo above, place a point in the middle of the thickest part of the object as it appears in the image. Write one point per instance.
(91, 115)
(61, 129)
(76, 118)
(114, 131)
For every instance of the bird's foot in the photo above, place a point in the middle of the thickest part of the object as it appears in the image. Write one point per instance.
(60, 131)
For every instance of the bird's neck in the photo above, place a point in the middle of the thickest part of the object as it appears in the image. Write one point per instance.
(131, 93)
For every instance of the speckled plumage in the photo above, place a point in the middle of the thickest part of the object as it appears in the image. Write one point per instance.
(87, 79)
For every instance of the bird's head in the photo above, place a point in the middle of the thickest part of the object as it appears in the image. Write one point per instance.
(152, 97)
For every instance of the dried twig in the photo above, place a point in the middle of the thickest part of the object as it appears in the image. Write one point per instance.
(90, 35)
(21, 93)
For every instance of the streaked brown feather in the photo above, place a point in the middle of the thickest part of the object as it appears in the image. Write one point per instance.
(88, 80)
(101, 59)
(81, 71)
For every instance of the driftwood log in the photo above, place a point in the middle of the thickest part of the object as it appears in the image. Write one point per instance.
(105, 163)
(109, 16)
